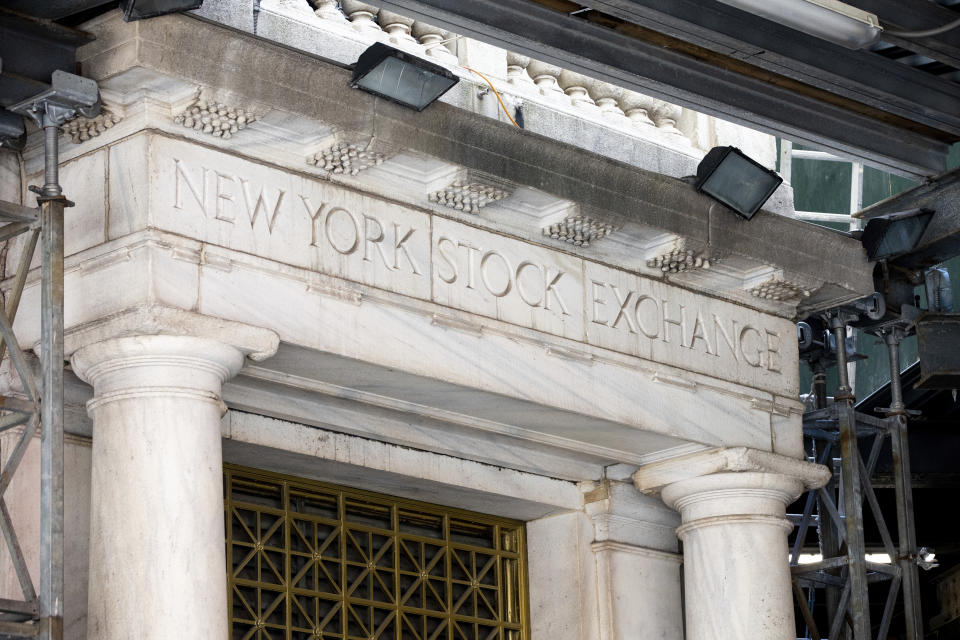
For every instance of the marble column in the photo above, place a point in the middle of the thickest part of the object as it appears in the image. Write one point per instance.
(157, 564)
(734, 530)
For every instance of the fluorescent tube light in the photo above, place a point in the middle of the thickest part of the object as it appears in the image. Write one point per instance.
(831, 20)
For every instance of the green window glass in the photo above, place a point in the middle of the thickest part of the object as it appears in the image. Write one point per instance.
(309, 560)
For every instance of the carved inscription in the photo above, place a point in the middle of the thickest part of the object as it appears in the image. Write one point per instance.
(334, 227)
(503, 278)
(653, 319)
(534, 284)
(223, 195)
(295, 220)
(696, 328)
(323, 227)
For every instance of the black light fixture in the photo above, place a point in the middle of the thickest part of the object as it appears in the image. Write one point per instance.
(743, 184)
(142, 9)
(401, 77)
(895, 234)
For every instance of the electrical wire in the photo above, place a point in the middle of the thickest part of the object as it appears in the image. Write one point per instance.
(496, 93)
(926, 32)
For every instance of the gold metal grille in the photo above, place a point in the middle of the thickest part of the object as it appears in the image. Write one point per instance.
(310, 560)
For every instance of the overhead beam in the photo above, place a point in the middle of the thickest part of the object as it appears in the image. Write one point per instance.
(916, 15)
(863, 76)
(655, 64)
(31, 50)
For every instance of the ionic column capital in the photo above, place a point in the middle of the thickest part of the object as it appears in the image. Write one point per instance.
(257, 343)
(733, 498)
(164, 352)
(727, 461)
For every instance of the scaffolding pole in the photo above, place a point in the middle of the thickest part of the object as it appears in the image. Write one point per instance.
(851, 489)
(40, 613)
(844, 570)
(52, 204)
(907, 558)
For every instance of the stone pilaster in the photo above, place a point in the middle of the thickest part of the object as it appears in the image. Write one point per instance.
(156, 531)
(734, 530)
(637, 564)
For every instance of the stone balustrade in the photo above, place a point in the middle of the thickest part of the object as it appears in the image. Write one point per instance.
(630, 112)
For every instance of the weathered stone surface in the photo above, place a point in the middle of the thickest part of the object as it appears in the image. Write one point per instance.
(288, 218)
(604, 180)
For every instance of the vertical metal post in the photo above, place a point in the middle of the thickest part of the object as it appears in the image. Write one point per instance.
(904, 492)
(819, 385)
(852, 490)
(52, 204)
(829, 543)
(856, 194)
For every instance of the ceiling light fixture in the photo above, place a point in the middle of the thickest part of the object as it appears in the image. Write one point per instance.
(830, 20)
(743, 184)
(400, 77)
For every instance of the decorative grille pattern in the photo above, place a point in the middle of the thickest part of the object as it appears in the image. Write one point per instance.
(310, 561)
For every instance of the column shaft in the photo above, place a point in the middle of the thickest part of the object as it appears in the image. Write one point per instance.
(157, 563)
(736, 569)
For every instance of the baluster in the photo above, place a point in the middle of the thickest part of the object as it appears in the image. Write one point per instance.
(517, 69)
(362, 15)
(577, 87)
(666, 116)
(637, 107)
(606, 96)
(398, 29)
(328, 10)
(545, 77)
(431, 38)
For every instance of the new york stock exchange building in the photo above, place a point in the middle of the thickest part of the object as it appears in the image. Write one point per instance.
(342, 369)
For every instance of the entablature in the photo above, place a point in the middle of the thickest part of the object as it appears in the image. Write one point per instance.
(292, 110)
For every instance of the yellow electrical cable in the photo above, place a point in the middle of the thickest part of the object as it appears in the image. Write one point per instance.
(496, 93)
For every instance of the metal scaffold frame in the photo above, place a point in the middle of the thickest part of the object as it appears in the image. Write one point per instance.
(844, 571)
(40, 613)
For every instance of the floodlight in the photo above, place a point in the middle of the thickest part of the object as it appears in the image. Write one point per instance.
(895, 233)
(741, 183)
(830, 20)
(401, 77)
(142, 9)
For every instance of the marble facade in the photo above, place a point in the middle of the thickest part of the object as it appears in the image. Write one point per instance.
(259, 271)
